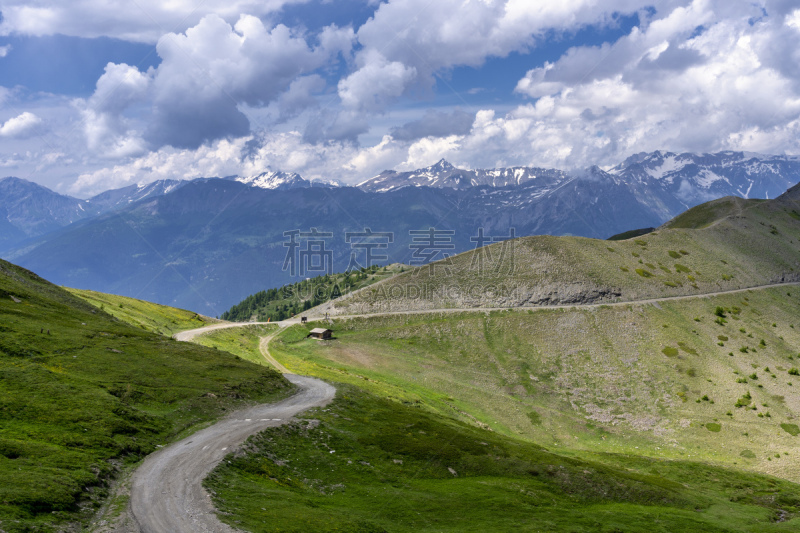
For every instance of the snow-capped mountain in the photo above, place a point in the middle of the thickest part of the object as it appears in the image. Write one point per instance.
(706, 176)
(28, 210)
(281, 181)
(670, 183)
(443, 175)
(666, 181)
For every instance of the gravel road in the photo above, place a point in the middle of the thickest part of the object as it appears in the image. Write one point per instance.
(167, 495)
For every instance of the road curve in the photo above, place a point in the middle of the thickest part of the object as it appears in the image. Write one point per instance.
(188, 335)
(263, 346)
(167, 495)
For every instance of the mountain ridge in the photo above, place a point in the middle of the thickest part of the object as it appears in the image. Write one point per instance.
(227, 236)
(29, 210)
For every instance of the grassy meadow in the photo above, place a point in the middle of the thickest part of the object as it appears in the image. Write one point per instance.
(670, 380)
(368, 464)
(243, 341)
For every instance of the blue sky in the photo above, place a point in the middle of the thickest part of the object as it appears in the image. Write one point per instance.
(67, 65)
(98, 94)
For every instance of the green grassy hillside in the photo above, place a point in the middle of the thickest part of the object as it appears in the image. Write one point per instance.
(82, 394)
(737, 244)
(663, 380)
(242, 341)
(706, 214)
(146, 315)
(367, 464)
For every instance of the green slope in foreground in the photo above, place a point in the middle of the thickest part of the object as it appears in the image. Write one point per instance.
(367, 464)
(83, 394)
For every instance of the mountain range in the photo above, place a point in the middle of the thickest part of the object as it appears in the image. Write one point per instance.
(29, 210)
(443, 175)
(207, 243)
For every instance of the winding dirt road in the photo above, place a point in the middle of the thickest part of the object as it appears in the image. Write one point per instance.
(167, 495)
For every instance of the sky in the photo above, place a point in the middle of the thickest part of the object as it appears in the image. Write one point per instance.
(99, 94)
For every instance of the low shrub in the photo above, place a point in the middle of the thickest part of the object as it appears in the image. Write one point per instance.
(744, 401)
(791, 429)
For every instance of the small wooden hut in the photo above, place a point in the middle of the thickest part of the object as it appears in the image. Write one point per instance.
(321, 334)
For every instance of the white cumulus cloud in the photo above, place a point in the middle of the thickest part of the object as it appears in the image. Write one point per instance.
(376, 83)
(108, 132)
(426, 38)
(236, 94)
(206, 76)
(21, 127)
(668, 85)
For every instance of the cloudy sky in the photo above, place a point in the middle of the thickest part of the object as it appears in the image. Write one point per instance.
(98, 94)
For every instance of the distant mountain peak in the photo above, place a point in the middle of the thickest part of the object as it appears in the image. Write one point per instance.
(442, 165)
(275, 180)
(281, 181)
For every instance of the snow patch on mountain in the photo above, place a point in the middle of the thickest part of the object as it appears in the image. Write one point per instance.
(281, 181)
(705, 178)
(669, 165)
(274, 180)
